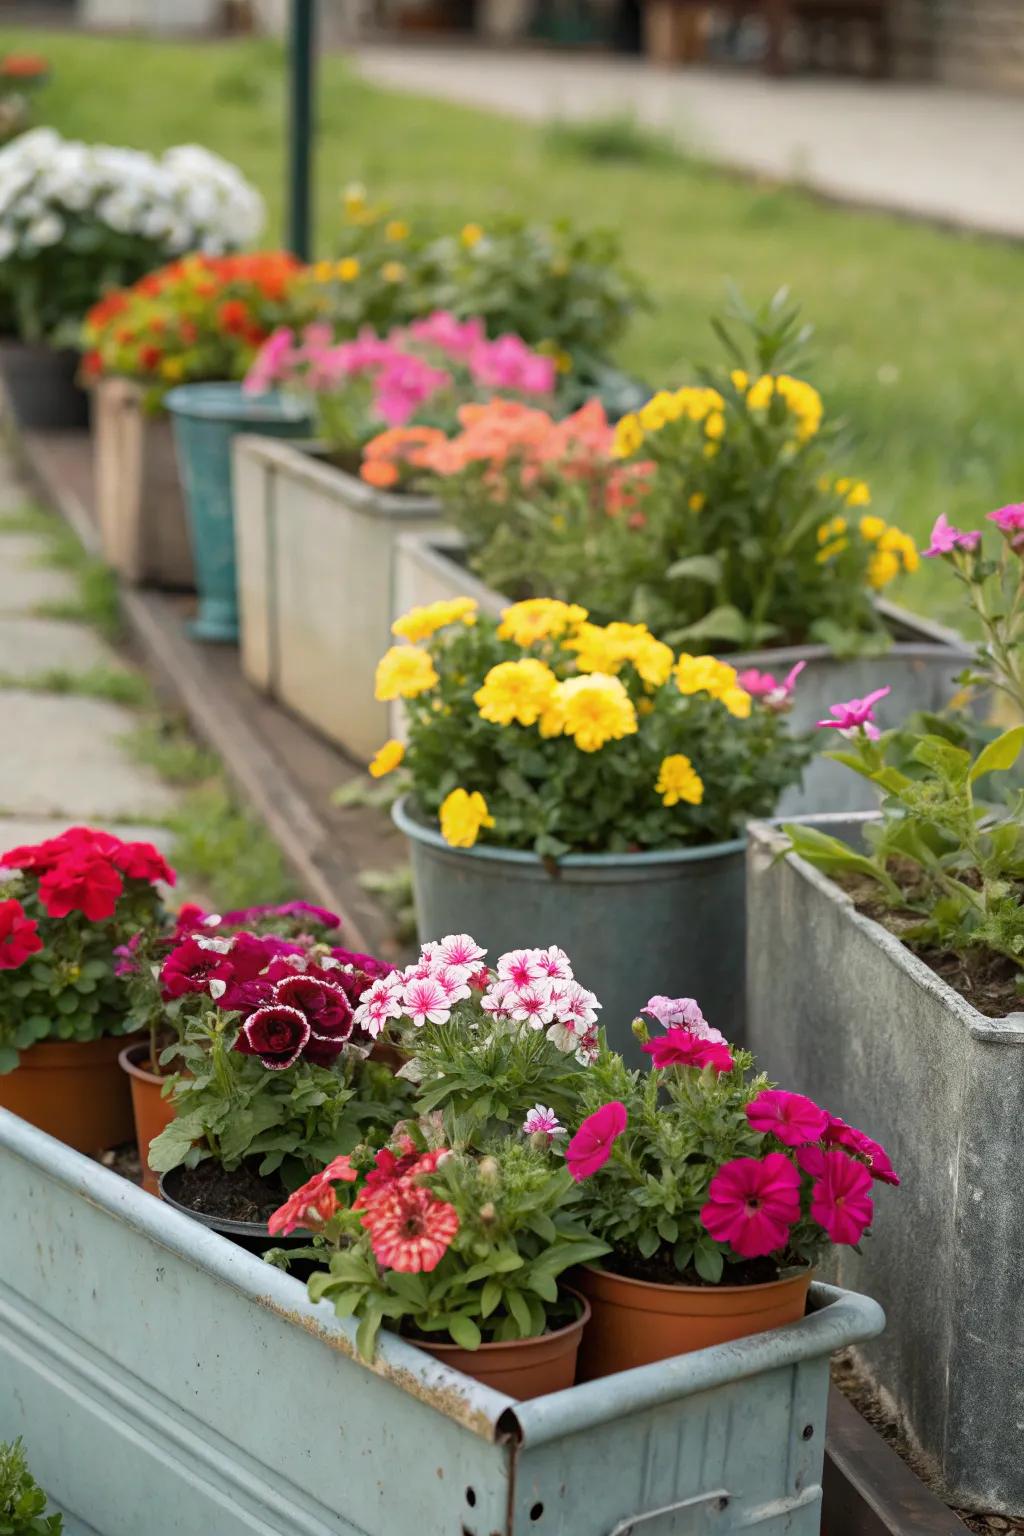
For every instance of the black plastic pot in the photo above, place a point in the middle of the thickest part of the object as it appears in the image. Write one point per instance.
(250, 1235)
(41, 386)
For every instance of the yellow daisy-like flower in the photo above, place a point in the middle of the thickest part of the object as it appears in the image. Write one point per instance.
(403, 672)
(629, 435)
(737, 701)
(697, 501)
(740, 380)
(462, 817)
(348, 269)
(830, 551)
(552, 721)
(696, 402)
(517, 691)
(597, 650)
(679, 780)
(895, 542)
(597, 709)
(393, 272)
(420, 623)
(470, 235)
(856, 493)
(802, 400)
(323, 271)
(714, 425)
(883, 567)
(538, 618)
(871, 528)
(658, 410)
(832, 529)
(653, 660)
(387, 759)
(396, 229)
(704, 674)
(761, 392)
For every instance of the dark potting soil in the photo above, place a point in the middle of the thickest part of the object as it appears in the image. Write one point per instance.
(662, 1271)
(986, 980)
(242, 1195)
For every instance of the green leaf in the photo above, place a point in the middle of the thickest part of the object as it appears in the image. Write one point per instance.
(490, 1297)
(464, 1331)
(709, 1263)
(830, 853)
(8, 1059)
(519, 1309)
(1000, 754)
(169, 1149)
(723, 623)
(366, 1333)
(706, 568)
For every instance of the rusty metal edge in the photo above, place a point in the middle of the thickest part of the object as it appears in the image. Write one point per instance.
(868, 1490)
(268, 789)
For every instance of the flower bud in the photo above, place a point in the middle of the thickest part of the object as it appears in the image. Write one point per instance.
(640, 1030)
(489, 1169)
(487, 1213)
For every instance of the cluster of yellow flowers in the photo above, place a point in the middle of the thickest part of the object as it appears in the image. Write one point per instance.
(420, 623)
(593, 708)
(702, 404)
(894, 550)
(802, 401)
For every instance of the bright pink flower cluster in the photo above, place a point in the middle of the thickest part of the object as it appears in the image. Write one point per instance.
(945, 538)
(763, 685)
(19, 936)
(84, 870)
(1011, 520)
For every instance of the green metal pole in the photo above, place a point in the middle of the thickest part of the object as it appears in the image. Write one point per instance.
(301, 69)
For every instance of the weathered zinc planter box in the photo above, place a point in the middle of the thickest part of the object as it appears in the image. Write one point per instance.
(839, 1009)
(921, 668)
(316, 577)
(169, 1383)
(139, 500)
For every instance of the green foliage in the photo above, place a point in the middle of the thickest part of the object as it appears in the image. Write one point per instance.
(96, 602)
(498, 1280)
(616, 140)
(226, 851)
(22, 1501)
(114, 683)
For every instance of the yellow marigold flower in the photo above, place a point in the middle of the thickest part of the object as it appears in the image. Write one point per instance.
(679, 780)
(737, 702)
(696, 402)
(714, 424)
(420, 623)
(552, 721)
(871, 528)
(761, 392)
(403, 672)
(655, 414)
(895, 542)
(393, 272)
(323, 271)
(396, 229)
(470, 235)
(856, 493)
(387, 759)
(740, 380)
(517, 691)
(653, 661)
(597, 709)
(596, 649)
(629, 434)
(348, 269)
(697, 501)
(804, 402)
(830, 551)
(704, 674)
(462, 816)
(883, 567)
(538, 618)
(911, 558)
(172, 368)
(832, 529)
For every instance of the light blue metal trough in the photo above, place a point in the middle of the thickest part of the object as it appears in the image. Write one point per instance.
(169, 1384)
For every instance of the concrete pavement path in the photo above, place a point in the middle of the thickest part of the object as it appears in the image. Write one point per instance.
(930, 151)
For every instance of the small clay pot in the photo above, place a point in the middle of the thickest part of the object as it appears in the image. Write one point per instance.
(521, 1368)
(250, 1235)
(74, 1090)
(636, 1322)
(153, 1113)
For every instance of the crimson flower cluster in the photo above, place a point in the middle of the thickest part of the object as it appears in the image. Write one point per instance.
(84, 870)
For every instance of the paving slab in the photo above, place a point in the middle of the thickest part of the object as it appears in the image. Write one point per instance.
(30, 646)
(24, 583)
(62, 757)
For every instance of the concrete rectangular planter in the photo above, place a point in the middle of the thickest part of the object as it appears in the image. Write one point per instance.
(920, 668)
(839, 1009)
(166, 1382)
(139, 500)
(316, 578)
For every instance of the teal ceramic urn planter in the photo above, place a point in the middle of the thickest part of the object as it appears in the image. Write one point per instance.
(207, 418)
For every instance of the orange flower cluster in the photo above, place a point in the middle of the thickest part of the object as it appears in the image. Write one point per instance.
(24, 66)
(201, 317)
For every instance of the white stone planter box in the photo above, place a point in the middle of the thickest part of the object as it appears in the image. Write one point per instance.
(139, 500)
(316, 585)
(839, 1009)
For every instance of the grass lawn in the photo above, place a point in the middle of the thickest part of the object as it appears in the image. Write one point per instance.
(920, 332)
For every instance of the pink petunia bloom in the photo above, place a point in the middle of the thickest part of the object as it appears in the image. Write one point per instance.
(762, 685)
(426, 1000)
(789, 1117)
(588, 1046)
(681, 1048)
(841, 1198)
(271, 363)
(855, 714)
(455, 981)
(381, 1002)
(1011, 520)
(520, 967)
(753, 1203)
(532, 1005)
(459, 338)
(578, 1007)
(456, 949)
(325, 1006)
(946, 538)
(542, 1121)
(591, 1147)
(508, 363)
(410, 1229)
(315, 1202)
(685, 1012)
(403, 385)
(497, 1001)
(842, 1135)
(554, 963)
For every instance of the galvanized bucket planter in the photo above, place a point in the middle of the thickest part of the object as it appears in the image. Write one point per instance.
(666, 922)
(839, 1009)
(921, 668)
(139, 499)
(207, 417)
(316, 571)
(169, 1383)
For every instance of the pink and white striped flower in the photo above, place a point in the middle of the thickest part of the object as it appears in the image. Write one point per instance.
(426, 1001)
(542, 1121)
(496, 1000)
(456, 949)
(455, 981)
(555, 963)
(580, 1008)
(532, 1005)
(379, 1003)
(520, 967)
(588, 1047)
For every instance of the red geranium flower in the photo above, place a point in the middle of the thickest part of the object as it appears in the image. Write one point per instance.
(141, 861)
(19, 936)
(276, 1034)
(233, 317)
(44, 855)
(83, 881)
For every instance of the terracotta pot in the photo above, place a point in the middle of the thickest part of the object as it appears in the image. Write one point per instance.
(521, 1368)
(153, 1113)
(74, 1090)
(636, 1322)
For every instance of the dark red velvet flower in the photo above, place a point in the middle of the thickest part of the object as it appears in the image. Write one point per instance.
(82, 881)
(324, 1004)
(19, 936)
(190, 968)
(276, 1034)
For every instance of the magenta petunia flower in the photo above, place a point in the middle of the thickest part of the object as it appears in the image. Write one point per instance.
(880, 1167)
(1011, 520)
(276, 1034)
(946, 538)
(591, 1147)
(789, 1117)
(855, 714)
(681, 1048)
(763, 685)
(841, 1197)
(752, 1204)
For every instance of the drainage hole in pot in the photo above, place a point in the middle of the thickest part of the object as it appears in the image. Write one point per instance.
(471, 1497)
(536, 1511)
(808, 1431)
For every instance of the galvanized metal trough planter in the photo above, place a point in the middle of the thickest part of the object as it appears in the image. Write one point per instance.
(316, 577)
(171, 1384)
(839, 1009)
(920, 667)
